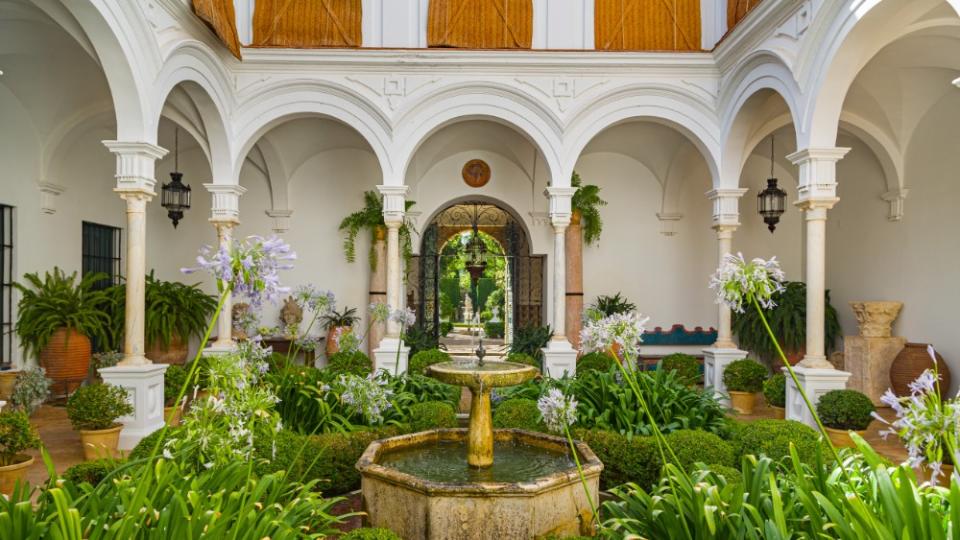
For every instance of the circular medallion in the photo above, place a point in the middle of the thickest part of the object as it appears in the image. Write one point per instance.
(476, 173)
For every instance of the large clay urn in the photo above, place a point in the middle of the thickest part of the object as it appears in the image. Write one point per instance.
(176, 353)
(66, 357)
(910, 363)
(875, 319)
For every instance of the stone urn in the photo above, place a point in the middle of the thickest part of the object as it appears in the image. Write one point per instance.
(875, 319)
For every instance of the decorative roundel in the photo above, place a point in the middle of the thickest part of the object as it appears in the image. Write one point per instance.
(476, 173)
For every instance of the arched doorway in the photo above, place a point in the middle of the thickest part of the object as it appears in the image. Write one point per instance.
(515, 295)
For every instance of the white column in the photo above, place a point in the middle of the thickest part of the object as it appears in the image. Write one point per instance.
(142, 379)
(559, 356)
(726, 219)
(392, 354)
(817, 194)
(225, 216)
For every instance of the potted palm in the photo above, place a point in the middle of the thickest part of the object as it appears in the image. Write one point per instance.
(93, 411)
(586, 203)
(775, 394)
(173, 380)
(16, 435)
(370, 218)
(57, 317)
(337, 323)
(788, 320)
(743, 379)
(843, 411)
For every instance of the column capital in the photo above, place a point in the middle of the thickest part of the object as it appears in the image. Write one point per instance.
(136, 163)
(226, 202)
(560, 203)
(394, 203)
(726, 206)
(137, 198)
(817, 177)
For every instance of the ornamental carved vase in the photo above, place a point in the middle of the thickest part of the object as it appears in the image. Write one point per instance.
(910, 363)
(875, 319)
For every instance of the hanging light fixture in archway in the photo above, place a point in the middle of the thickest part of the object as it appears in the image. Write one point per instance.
(771, 202)
(175, 195)
(476, 255)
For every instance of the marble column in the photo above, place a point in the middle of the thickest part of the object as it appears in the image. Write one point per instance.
(391, 354)
(559, 356)
(225, 216)
(378, 286)
(574, 280)
(142, 379)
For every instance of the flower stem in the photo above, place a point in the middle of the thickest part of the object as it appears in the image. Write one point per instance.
(583, 479)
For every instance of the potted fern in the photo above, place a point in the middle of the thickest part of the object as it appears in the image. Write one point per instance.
(93, 410)
(370, 218)
(16, 435)
(788, 320)
(336, 323)
(586, 203)
(57, 317)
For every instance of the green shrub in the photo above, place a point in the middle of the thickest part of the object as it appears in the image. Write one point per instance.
(518, 414)
(595, 361)
(143, 448)
(16, 435)
(744, 376)
(531, 340)
(173, 380)
(431, 415)
(845, 409)
(445, 328)
(625, 459)
(371, 534)
(693, 446)
(523, 358)
(775, 390)
(91, 472)
(772, 438)
(355, 362)
(423, 359)
(494, 330)
(97, 406)
(686, 366)
(733, 475)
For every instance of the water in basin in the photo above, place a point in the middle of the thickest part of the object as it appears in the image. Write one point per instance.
(474, 366)
(447, 462)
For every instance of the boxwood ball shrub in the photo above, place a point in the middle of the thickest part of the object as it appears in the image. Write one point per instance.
(686, 366)
(775, 390)
(523, 358)
(772, 438)
(625, 459)
(16, 435)
(145, 446)
(173, 380)
(518, 414)
(97, 406)
(845, 409)
(367, 533)
(732, 475)
(431, 415)
(423, 359)
(744, 376)
(91, 472)
(494, 330)
(595, 361)
(355, 362)
(697, 446)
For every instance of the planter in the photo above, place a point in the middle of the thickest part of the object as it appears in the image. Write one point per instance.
(176, 353)
(779, 412)
(841, 437)
(794, 357)
(9, 474)
(172, 421)
(66, 356)
(910, 363)
(100, 443)
(742, 402)
(331, 346)
(8, 379)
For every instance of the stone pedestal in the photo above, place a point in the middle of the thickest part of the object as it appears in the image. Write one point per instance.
(144, 386)
(385, 356)
(868, 360)
(715, 361)
(559, 358)
(816, 382)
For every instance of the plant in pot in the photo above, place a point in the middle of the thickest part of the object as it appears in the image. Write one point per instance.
(586, 203)
(843, 411)
(93, 410)
(58, 315)
(775, 393)
(8, 381)
(686, 366)
(16, 435)
(173, 380)
(788, 320)
(608, 305)
(743, 379)
(336, 323)
(32, 388)
(370, 218)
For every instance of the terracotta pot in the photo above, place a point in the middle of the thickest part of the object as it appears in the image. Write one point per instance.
(66, 356)
(176, 353)
(100, 443)
(331, 342)
(841, 437)
(779, 412)
(8, 379)
(910, 363)
(742, 402)
(794, 357)
(9, 474)
(172, 421)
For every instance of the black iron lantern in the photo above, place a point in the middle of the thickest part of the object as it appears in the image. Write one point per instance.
(476, 255)
(175, 195)
(771, 202)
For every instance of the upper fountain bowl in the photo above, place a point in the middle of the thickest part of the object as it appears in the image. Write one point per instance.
(488, 375)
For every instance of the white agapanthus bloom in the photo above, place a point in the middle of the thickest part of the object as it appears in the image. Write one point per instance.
(738, 282)
(558, 410)
(623, 329)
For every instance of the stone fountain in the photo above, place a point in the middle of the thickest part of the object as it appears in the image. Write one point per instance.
(479, 483)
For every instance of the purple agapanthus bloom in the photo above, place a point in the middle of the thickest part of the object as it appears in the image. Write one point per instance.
(250, 267)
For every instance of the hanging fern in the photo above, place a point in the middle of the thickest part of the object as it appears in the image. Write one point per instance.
(369, 218)
(587, 201)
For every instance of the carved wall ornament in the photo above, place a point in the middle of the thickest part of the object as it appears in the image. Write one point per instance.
(876, 318)
(476, 173)
(291, 315)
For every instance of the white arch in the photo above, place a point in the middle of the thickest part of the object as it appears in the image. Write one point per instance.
(678, 110)
(468, 101)
(285, 101)
(494, 201)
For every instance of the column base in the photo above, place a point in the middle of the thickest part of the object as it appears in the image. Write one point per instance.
(715, 361)
(815, 382)
(559, 359)
(391, 356)
(144, 386)
(218, 348)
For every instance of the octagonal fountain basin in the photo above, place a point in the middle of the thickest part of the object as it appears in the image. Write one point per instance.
(421, 487)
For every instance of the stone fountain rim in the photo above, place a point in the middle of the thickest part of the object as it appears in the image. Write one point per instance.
(514, 367)
(367, 465)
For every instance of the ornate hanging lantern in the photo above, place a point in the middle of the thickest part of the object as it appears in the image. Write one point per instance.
(175, 195)
(476, 255)
(771, 202)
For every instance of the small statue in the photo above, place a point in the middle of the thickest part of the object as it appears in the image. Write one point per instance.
(241, 319)
(496, 314)
(291, 315)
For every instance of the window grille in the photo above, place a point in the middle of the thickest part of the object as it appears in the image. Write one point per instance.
(101, 252)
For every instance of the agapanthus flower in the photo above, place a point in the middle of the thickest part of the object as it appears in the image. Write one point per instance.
(404, 317)
(622, 329)
(249, 267)
(365, 395)
(379, 312)
(315, 299)
(558, 410)
(738, 282)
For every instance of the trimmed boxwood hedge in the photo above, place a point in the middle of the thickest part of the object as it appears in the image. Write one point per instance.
(420, 361)
(772, 438)
(91, 472)
(355, 362)
(431, 415)
(595, 361)
(692, 446)
(634, 459)
(518, 414)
